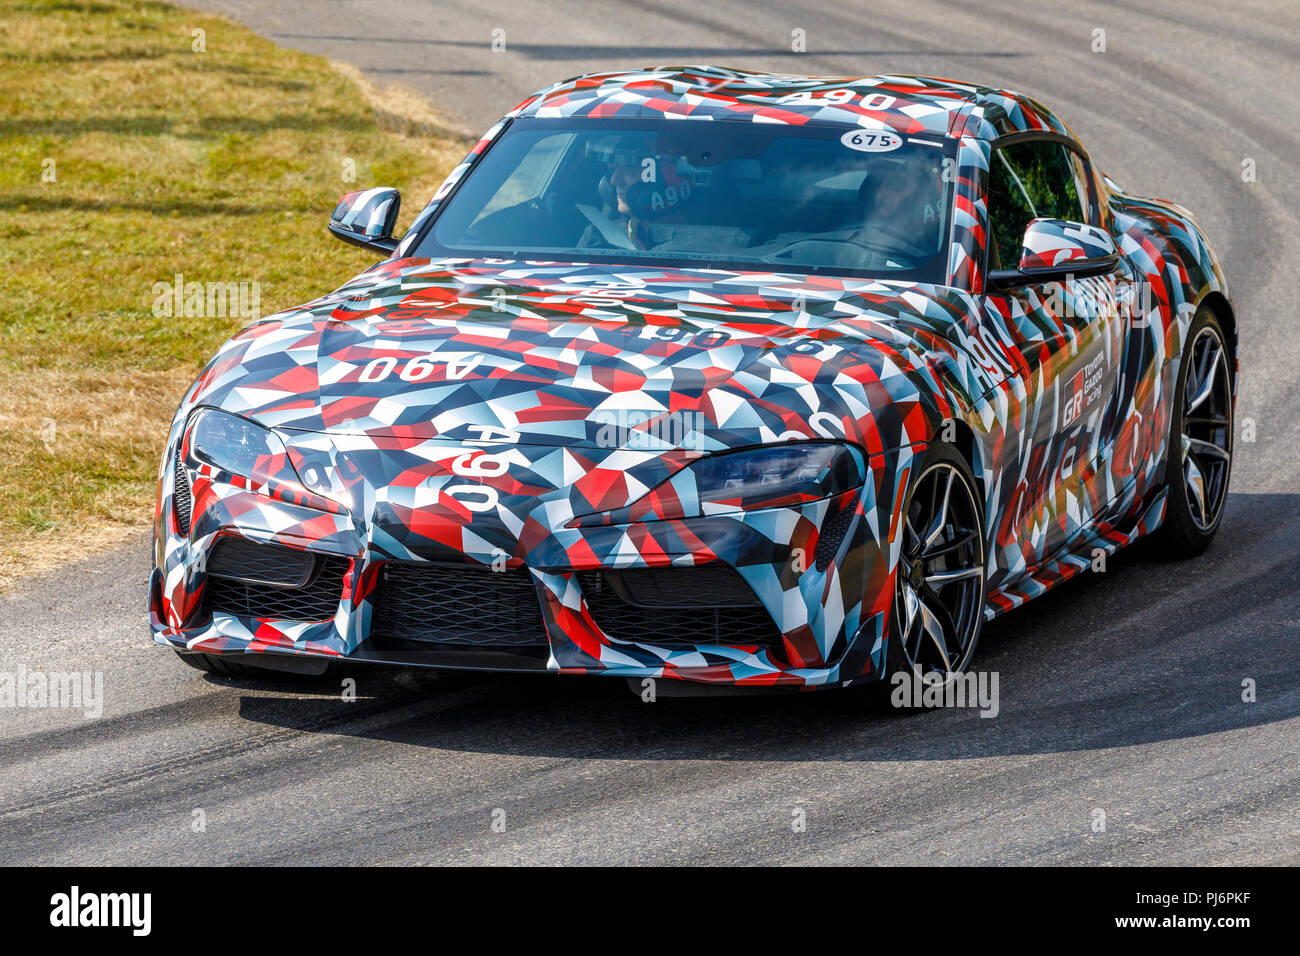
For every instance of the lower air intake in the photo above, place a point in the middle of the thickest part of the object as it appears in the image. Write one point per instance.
(249, 579)
(678, 607)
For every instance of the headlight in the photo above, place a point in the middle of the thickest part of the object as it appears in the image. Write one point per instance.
(238, 446)
(774, 476)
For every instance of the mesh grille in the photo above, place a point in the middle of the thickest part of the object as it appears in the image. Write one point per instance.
(463, 605)
(714, 586)
(315, 598)
(256, 563)
(181, 499)
(678, 607)
(832, 533)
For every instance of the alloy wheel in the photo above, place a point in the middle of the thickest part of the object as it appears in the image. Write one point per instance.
(939, 594)
(1207, 428)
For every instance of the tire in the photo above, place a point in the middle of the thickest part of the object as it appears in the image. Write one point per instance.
(1199, 463)
(225, 666)
(963, 596)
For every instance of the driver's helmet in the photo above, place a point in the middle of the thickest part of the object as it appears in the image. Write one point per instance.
(644, 178)
(621, 149)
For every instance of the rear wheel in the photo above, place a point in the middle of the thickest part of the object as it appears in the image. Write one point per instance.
(940, 580)
(1200, 443)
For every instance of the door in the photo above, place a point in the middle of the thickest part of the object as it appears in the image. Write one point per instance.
(1069, 337)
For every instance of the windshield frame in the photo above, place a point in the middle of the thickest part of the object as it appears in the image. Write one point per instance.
(937, 272)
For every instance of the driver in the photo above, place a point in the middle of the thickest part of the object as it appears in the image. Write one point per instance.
(640, 189)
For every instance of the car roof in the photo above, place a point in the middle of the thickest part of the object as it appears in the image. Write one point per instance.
(908, 104)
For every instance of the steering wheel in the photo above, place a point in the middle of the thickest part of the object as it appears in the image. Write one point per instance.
(894, 241)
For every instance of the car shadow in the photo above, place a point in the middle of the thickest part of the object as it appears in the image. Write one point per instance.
(1147, 651)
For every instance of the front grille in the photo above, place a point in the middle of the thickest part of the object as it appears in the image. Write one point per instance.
(181, 498)
(460, 605)
(678, 607)
(248, 579)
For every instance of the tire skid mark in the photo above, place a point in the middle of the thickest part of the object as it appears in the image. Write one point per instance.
(41, 744)
(349, 714)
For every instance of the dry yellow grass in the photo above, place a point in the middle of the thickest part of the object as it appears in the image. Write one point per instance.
(130, 158)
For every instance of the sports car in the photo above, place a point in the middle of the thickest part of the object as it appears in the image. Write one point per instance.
(711, 375)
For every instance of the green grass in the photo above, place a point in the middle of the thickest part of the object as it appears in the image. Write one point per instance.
(219, 165)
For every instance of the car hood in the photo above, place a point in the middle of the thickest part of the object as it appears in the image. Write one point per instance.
(581, 355)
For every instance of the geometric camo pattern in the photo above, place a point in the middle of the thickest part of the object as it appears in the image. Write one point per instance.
(462, 409)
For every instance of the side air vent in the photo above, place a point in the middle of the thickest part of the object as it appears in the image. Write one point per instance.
(249, 579)
(182, 500)
(270, 564)
(833, 530)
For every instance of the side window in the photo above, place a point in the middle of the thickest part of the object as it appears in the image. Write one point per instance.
(532, 174)
(1029, 181)
(1087, 188)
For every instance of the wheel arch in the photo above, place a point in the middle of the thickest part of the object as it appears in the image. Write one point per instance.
(1217, 303)
(968, 446)
(966, 442)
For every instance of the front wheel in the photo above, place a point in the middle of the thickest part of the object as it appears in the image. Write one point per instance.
(940, 580)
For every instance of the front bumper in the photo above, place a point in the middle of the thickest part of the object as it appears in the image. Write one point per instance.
(829, 616)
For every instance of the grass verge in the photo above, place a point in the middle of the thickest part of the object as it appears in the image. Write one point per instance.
(131, 156)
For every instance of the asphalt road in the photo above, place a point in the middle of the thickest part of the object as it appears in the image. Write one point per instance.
(1121, 692)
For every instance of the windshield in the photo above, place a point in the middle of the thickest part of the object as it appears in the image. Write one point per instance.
(846, 201)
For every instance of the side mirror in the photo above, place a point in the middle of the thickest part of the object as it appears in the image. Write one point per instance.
(1054, 250)
(366, 218)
